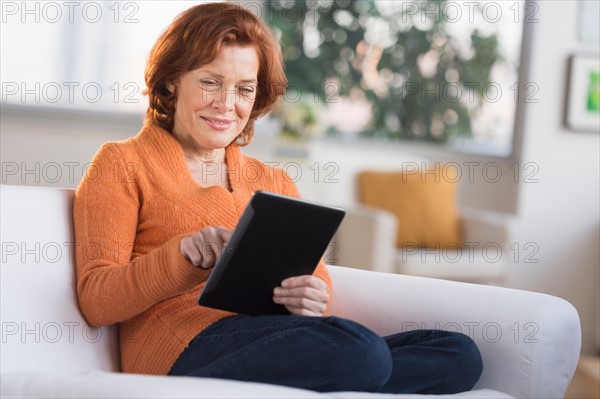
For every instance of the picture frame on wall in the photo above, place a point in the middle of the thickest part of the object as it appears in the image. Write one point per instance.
(583, 101)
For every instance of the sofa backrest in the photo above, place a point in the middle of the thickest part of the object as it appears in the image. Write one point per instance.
(43, 329)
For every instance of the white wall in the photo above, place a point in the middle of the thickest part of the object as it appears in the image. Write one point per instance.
(46, 148)
(559, 214)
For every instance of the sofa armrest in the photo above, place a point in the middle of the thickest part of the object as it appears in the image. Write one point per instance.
(120, 385)
(485, 227)
(529, 342)
(366, 239)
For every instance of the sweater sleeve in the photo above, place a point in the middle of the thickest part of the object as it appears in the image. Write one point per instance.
(289, 188)
(111, 286)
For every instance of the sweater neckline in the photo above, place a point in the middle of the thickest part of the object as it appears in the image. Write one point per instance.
(171, 155)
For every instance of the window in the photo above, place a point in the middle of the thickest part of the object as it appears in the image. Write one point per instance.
(431, 70)
(438, 71)
(81, 55)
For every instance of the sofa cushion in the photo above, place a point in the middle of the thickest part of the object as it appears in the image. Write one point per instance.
(113, 385)
(42, 327)
(424, 203)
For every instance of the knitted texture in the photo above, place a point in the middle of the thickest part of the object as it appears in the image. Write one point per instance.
(133, 206)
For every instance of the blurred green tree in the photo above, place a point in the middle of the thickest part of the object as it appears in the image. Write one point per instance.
(399, 56)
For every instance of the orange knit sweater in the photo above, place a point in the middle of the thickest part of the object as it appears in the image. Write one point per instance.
(135, 203)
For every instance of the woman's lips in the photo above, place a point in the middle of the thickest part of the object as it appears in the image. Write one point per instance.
(218, 124)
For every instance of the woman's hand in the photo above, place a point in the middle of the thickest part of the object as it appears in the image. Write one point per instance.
(204, 247)
(303, 295)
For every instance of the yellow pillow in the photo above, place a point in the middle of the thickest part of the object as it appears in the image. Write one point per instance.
(425, 208)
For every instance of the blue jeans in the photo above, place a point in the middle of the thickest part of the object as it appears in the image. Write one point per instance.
(331, 354)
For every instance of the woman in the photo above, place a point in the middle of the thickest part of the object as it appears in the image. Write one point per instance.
(153, 215)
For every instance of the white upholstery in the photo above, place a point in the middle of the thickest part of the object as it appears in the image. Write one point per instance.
(47, 350)
(112, 385)
(367, 236)
(529, 341)
(367, 240)
(484, 257)
(42, 328)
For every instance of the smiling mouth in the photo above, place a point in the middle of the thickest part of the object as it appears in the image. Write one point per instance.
(218, 124)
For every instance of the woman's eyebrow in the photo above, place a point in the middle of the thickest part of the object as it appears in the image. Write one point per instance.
(217, 75)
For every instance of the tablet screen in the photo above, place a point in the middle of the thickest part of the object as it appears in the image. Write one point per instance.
(277, 237)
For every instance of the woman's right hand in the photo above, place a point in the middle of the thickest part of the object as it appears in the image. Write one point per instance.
(204, 247)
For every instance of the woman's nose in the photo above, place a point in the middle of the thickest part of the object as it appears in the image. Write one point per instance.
(224, 99)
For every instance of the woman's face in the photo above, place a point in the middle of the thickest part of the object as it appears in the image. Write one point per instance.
(214, 101)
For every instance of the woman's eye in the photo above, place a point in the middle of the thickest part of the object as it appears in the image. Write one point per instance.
(209, 84)
(248, 91)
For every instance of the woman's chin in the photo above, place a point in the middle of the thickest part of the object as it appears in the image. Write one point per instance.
(216, 143)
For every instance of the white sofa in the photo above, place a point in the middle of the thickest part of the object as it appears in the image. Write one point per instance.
(529, 342)
(367, 240)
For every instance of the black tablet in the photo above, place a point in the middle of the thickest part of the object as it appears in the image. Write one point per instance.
(277, 237)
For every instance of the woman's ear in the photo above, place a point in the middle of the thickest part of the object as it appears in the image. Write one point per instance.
(171, 87)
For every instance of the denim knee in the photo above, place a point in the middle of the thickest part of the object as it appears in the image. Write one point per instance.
(467, 364)
(367, 364)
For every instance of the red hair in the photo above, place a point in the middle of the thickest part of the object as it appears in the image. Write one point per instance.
(194, 39)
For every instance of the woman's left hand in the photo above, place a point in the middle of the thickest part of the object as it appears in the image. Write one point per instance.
(303, 295)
